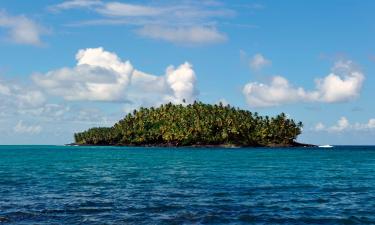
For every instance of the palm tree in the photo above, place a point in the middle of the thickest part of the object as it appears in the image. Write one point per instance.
(195, 123)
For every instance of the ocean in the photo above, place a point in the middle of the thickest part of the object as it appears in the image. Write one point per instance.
(136, 185)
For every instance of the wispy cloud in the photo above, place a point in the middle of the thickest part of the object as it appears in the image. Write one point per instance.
(21, 30)
(187, 23)
(118, 9)
(22, 128)
(258, 61)
(183, 35)
(16, 96)
(74, 4)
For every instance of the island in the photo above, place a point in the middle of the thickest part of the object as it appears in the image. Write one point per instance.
(196, 124)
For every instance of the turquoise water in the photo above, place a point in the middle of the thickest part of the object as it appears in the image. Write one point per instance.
(113, 185)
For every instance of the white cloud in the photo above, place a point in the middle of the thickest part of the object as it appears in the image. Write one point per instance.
(342, 84)
(21, 29)
(258, 61)
(125, 9)
(279, 91)
(183, 35)
(188, 23)
(15, 96)
(93, 115)
(182, 82)
(180, 11)
(73, 4)
(343, 125)
(319, 126)
(102, 76)
(25, 102)
(4, 90)
(22, 128)
(371, 124)
(98, 76)
(49, 111)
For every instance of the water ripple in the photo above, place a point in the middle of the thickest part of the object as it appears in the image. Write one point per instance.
(108, 185)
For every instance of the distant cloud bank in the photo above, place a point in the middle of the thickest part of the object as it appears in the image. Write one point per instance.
(22, 128)
(343, 125)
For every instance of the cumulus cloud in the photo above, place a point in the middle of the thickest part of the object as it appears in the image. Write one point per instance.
(279, 91)
(98, 76)
(183, 35)
(342, 84)
(177, 85)
(343, 125)
(258, 61)
(22, 128)
(102, 76)
(182, 82)
(370, 125)
(21, 29)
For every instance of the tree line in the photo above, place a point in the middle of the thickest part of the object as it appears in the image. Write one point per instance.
(194, 124)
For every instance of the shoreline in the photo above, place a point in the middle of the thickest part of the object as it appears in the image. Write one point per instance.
(292, 145)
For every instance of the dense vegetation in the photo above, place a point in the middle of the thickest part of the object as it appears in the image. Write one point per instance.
(195, 124)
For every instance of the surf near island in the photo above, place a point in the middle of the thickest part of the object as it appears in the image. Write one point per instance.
(197, 125)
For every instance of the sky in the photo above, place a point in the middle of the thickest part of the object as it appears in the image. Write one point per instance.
(66, 66)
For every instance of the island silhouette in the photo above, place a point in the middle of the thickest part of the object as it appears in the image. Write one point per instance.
(196, 124)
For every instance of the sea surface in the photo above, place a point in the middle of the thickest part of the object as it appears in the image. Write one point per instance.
(126, 185)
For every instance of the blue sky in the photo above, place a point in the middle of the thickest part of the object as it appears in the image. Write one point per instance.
(69, 65)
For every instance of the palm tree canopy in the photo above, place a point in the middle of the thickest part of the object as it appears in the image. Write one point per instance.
(194, 124)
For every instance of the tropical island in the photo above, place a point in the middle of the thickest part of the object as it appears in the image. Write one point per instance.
(196, 124)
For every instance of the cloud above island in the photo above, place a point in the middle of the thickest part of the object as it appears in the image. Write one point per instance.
(343, 84)
(100, 75)
(96, 91)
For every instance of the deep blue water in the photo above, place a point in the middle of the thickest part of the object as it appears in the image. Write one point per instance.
(113, 185)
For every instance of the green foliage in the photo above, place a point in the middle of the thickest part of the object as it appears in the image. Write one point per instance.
(194, 124)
